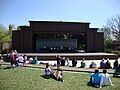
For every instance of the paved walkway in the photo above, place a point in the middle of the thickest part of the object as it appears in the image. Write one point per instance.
(64, 68)
(73, 69)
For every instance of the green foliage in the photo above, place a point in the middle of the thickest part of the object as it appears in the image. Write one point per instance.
(107, 38)
(2, 34)
(107, 32)
(5, 35)
(116, 52)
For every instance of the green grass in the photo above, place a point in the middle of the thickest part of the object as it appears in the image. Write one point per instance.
(31, 79)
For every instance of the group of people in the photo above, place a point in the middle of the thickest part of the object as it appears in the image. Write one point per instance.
(62, 60)
(20, 60)
(97, 79)
(58, 75)
(17, 59)
(105, 64)
(100, 79)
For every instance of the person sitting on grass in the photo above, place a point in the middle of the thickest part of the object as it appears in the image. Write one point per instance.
(95, 79)
(83, 63)
(93, 65)
(105, 79)
(115, 64)
(74, 62)
(108, 64)
(67, 62)
(20, 60)
(48, 72)
(103, 64)
(25, 59)
(117, 71)
(58, 74)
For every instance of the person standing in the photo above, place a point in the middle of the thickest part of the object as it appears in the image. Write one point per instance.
(13, 57)
(63, 61)
(58, 60)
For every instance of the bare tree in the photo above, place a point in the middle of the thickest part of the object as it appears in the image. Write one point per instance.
(114, 25)
(107, 32)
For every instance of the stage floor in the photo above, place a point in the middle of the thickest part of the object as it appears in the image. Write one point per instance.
(65, 54)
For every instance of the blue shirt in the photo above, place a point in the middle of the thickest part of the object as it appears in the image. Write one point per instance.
(96, 78)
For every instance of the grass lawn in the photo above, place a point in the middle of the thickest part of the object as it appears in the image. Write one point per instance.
(31, 79)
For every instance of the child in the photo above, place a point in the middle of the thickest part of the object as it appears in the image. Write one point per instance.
(48, 72)
(58, 74)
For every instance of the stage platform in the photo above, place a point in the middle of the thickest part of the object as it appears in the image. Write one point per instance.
(78, 56)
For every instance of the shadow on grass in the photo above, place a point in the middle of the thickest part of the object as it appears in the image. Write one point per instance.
(44, 77)
(4, 68)
(48, 77)
(8, 67)
(91, 85)
(51, 77)
(35, 67)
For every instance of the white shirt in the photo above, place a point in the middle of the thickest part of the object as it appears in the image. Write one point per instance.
(20, 59)
(48, 71)
(105, 79)
(30, 59)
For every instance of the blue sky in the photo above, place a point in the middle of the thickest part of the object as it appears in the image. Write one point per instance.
(18, 12)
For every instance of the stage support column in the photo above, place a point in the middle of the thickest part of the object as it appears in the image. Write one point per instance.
(99, 42)
(90, 45)
(27, 41)
(17, 41)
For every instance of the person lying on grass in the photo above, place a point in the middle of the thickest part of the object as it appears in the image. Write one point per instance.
(58, 74)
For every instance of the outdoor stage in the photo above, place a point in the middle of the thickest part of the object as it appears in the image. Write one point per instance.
(78, 56)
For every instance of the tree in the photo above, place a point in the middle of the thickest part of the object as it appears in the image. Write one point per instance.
(5, 35)
(107, 32)
(2, 29)
(114, 25)
(107, 37)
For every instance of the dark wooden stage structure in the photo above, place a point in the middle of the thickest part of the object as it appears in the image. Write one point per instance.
(57, 37)
(47, 39)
